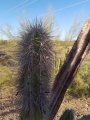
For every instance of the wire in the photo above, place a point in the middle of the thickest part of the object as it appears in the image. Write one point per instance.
(65, 7)
(27, 4)
(14, 7)
(19, 8)
(45, 13)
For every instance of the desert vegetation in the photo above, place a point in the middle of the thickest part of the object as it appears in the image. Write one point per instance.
(9, 67)
(31, 63)
(80, 87)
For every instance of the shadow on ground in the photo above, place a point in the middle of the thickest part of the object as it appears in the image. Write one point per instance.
(85, 117)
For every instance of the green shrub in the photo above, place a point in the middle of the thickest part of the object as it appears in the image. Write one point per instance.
(3, 42)
(6, 77)
(78, 88)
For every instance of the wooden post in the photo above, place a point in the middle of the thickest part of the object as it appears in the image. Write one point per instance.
(69, 68)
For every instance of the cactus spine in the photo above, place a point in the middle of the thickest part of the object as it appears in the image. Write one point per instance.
(35, 56)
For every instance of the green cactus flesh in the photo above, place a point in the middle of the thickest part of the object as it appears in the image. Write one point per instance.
(67, 115)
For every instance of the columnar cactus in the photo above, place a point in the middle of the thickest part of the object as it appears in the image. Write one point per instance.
(35, 57)
(67, 115)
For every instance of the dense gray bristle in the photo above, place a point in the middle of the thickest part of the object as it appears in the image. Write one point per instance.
(35, 57)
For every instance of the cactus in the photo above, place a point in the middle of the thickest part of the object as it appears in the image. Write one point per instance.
(67, 115)
(35, 57)
(59, 62)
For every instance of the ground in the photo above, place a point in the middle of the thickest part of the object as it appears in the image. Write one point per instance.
(10, 105)
(80, 107)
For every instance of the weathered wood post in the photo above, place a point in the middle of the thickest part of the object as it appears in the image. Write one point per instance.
(69, 68)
